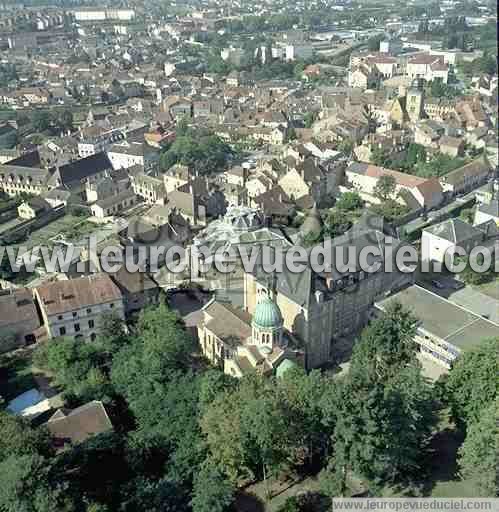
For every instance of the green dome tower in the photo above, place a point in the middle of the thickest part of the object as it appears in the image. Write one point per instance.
(267, 323)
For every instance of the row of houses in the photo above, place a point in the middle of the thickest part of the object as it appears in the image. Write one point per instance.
(426, 193)
(71, 307)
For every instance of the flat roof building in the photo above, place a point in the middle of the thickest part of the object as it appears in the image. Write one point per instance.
(444, 329)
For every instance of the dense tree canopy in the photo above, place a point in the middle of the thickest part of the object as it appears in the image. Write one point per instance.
(381, 413)
(202, 151)
(471, 385)
(479, 453)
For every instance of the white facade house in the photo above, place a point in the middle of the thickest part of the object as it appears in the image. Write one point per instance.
(125, 155)
(428, 67)
(76, 307)
(364, 178)
(103, 14)
(442, 239)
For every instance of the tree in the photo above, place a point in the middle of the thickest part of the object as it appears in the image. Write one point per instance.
(381, 157)
(247, 431)
(382, 411)
(79, 368)
(370, 118)
(472, 277)
(479, 453)
(17, 438)
(290, 505)
(224, 436)
(471, 385)
(440, 90)
(389, 209)
(346, 146)
(336, 222)
(212, 384)
(212, 491)
(266, 430)
(349, 201)
(41, 120)
(25, 486)
(309, 119)
(387, 345)
(385, 187)
(65, 120)
(152, 374)
(416, 154)
(202, 151)
(439, 165)
(161, 495)
(302, 394)
(373, 43)
(112, 334)
(467, 214)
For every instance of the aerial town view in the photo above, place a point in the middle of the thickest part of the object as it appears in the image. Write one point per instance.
(249, 256)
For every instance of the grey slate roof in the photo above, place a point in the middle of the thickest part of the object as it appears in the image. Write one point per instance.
(455, 231)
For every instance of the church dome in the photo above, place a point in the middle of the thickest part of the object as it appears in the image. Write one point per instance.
(267, 314)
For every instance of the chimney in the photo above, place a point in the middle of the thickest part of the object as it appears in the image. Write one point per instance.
(330, 282)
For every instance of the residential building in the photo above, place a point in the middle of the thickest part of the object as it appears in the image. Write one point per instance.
(126, 155)
(428, 67)
(452, 146)
(150, 189)
(488, 210)
(425, 193)
(76, 307)
(69, 428)
(305, 179)
(113, 204)
(20, 323)
(176, 176)
(443, 238)
(139, 289)
(32, 208)
(467, 177)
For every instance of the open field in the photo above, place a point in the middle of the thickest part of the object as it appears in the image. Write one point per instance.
(71, 227)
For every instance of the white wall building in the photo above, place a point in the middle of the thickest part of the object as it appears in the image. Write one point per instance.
(75, 307)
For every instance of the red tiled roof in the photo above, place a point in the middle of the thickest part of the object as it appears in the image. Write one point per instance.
(64, 296)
